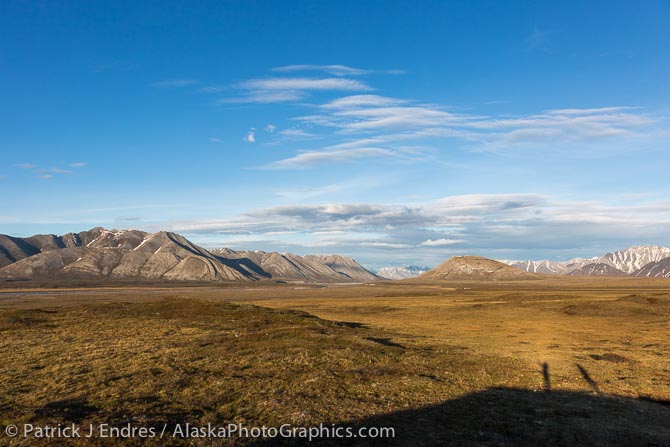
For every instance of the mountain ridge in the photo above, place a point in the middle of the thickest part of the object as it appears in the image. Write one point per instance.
(102, 253)
(628, 261)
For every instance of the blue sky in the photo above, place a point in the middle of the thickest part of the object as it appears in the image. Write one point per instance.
(395, 132)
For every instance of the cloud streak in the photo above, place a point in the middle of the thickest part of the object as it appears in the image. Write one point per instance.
(335, 70)
(175, 83)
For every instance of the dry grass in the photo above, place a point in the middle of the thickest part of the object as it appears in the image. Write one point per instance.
(443, 362)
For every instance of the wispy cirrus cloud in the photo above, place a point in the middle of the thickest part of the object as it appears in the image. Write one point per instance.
(298, 84)
(361, 125)
(175, 83)
(376, 116)
(49, 173)
(440, 242)
(287, 89)
(335, 70)
(296, 133)
(317, 157)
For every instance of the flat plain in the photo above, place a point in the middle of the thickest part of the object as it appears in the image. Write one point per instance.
(557, 361)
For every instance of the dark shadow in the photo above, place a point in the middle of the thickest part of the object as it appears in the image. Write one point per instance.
(243, 264)
(352, 324)
(545, 376)
(514, 417)
(587, 377)
(68, 410)
(385, 342)
(609, 357)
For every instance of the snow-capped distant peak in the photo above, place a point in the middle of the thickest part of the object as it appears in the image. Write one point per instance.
(401, 272)
(628, 261)
(634, 258)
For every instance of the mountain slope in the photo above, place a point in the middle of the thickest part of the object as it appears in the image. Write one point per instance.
(345, 266)
(597, 269)
(475, 267)
(290, 267)
(658, 269)
(551, 267)
(14, 249)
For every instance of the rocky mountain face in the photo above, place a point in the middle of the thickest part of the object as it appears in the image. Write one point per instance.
(658, 269)
(597, 269)
(290, 267)
(633, 259)
(551, 267)
(13, 249)
(475, 268)
(626, 262)
(397, 273)
(101, 253)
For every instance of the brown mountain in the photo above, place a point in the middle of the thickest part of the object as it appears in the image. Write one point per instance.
(13, 249)
(597, 269)
(101, 253)
(476, 268)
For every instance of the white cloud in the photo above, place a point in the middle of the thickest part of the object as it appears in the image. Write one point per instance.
(251, 137)
(215, 139)
(362, 101)
(270, 128)
(440, 242)
(297, 84)
(211, 89)
(335, 70)
(175, 83)
(48, 173)
(296, 133)
(386, 245)
(313, 158)
(287, 89)
(265, 97)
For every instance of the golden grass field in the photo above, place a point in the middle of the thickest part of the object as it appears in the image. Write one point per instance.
(560, 361)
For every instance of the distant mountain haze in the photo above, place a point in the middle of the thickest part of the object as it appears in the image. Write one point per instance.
(401, 272)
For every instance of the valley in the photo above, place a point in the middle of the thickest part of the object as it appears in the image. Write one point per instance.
(435, 359)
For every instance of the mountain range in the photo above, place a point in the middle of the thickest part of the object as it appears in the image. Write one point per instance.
(124, 254)
(101, 253)
(642, 261)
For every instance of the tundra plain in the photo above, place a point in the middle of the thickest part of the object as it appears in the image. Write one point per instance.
(554, 361)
